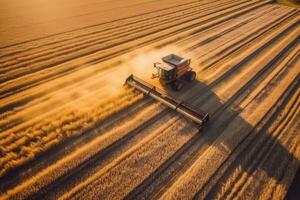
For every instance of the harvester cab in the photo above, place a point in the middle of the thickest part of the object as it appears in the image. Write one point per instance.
(171, 71)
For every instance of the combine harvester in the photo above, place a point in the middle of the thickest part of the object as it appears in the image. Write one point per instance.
(172, 71)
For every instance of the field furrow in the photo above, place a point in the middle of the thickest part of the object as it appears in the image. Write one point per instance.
(71, 129)
(129, 45)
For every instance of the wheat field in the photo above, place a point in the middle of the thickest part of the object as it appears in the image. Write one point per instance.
(69, 129)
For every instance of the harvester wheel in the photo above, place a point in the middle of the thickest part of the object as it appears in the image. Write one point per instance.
(191, 76)
(177, 85)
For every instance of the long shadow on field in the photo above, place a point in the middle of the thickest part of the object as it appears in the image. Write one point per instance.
(249, 145)
(246, 147)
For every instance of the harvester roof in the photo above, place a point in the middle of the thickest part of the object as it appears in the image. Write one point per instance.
(174, 60)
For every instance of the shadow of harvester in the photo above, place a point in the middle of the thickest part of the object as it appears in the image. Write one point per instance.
(241, 147)
(251, 148)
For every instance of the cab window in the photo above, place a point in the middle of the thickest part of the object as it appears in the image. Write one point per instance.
(163, 74)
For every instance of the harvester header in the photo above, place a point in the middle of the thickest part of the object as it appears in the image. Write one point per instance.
(197, 116)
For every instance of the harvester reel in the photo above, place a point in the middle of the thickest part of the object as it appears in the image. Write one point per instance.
(196, 115)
